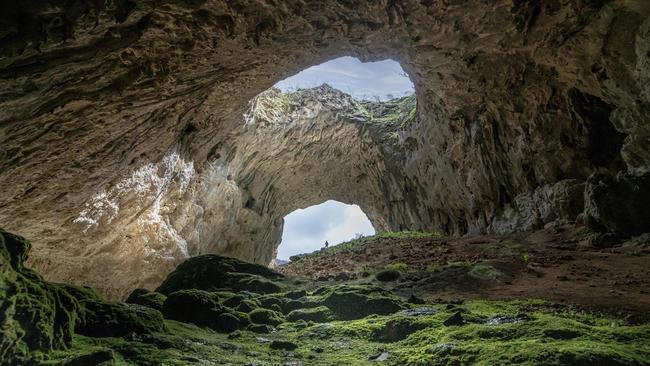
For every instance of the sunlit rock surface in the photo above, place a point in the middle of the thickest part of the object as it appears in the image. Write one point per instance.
(126, 145)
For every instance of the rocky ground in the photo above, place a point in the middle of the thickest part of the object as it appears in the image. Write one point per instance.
(564, 265)
(214, 310)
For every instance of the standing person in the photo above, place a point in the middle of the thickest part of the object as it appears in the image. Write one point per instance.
(326, 244)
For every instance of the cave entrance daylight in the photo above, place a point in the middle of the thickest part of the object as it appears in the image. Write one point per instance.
(306, 230)
(379, 81)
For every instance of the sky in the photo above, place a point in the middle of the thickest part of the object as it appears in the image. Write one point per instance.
(384, 79)
(305, 230)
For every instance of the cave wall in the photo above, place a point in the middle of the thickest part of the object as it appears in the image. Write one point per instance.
(111, 114)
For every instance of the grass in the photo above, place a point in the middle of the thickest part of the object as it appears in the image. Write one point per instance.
(360, 243)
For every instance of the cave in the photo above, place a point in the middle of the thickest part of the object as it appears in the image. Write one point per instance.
(149, 161)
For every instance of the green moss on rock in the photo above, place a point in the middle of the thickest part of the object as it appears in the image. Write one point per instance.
(265, 316)
(214, 273)
(193, 306)
(148, 298)
(105, 319)
(354, 302)
(35, 316)
(318, 314)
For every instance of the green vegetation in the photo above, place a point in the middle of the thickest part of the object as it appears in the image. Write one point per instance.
(148, 298)
(517, 332)
(344, 324)
(359, 244)
(399, 266)
(266, 316)
(399, 110)
(484, 271)
(271, 105)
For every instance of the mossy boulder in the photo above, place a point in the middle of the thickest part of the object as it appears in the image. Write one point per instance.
(318, 314)
(101, 357)
(266, 316)
(246, 306)
(106, 319)
(283, 345)
(396, 330)
(35, 315)
(193, 306)
(272, 301)
(214, 273)
(203, 308)
(148, 298)
(230, 299)
(355, 302)
(230, 322)
(302, 303)
(251, 282)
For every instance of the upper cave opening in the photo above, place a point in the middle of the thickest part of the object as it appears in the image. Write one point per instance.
(306, 230)
(378, 81)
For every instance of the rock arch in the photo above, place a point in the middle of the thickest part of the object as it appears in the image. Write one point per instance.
(119, 109)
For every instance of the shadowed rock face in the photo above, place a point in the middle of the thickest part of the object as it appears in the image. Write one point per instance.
(123, 148)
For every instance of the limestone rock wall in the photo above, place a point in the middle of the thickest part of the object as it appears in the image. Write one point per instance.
(112, 115)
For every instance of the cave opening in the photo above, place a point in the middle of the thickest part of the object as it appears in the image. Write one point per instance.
(306, 230)
(376, 80)
(333, 125)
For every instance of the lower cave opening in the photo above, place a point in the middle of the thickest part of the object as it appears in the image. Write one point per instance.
(307, 230)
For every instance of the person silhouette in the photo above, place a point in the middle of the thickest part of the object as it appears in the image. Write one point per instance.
(326, 244)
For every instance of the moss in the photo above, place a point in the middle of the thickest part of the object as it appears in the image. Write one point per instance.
(362, 322)
(484, 271)
(228, 323)
(396, 329)
(359, 244)
(266, 316)
(204, 307)
(37, 316)
(272, 302)
(246, 306)
(253, 283)
(318, 314)
(399, 266)
(271, 105)
(353, 302)
(215, 273)
(410, 340)
(105, 319)
(398, 111)
(148, 298)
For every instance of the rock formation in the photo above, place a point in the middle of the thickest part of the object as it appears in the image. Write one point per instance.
(128, 142)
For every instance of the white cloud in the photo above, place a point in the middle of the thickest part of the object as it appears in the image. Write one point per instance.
(306, 230)
(361, 80)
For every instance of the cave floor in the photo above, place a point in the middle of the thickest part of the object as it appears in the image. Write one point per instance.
(563, 265)
(550, 297)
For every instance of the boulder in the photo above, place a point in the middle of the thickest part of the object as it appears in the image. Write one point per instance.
(318, 314)
(355, 302)
(396, 330)
(214, 272)
(106, 319)
(193, 306)
(265, 316)
(148, 298)
(618, 203)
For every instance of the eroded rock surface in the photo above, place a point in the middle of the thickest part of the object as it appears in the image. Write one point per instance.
(121, 148)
